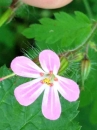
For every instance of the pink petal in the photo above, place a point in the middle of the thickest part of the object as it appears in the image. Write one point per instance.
(28, 92)
(49, 61)
(51, 107)
(25, 67)
(68, 89)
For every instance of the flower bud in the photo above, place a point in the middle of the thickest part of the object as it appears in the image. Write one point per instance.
(78, 57)
(93, 46)
(64, 64)
(85, 68)
(48, 4)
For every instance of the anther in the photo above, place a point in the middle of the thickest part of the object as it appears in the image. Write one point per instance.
(51, 72)
(41, 74)
(55, 79)
(42, 81)
(51, 84)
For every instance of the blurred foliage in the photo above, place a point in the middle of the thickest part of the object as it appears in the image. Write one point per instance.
(13, 43)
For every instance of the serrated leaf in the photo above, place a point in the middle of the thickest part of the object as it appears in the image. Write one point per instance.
(81, 17)
(17, 117)
(73, 126)
(66, 30)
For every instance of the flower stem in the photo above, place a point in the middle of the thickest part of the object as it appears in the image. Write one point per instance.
(10, 12)
(87, 48)
(88, 8)
(89, 37)
(8, 76)
(6, 16)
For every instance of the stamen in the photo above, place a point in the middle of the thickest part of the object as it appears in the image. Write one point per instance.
(51, 72)
(47, 81)
(41, 74)
(51, 84)
(42, 81)
(55, 79)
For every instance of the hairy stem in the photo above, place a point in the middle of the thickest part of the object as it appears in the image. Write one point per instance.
(88, 8)
(8, 76)
(10, 12)
(88, 38)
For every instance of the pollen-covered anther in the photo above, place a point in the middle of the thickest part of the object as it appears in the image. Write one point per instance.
(42, 81)
(51, 72)
(51, 84)
(41, 74)
(55, 79)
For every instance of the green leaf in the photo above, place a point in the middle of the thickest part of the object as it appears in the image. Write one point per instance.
(16, 117)
(81, 17)
(65, 30)
(73, 126)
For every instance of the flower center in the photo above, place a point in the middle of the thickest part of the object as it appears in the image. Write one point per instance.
(49, 78)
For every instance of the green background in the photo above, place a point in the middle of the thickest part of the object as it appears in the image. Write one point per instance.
(13, 43)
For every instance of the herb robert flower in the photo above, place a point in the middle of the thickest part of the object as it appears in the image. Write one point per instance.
(46, 80)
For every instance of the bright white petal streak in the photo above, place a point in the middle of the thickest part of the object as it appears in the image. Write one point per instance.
(51, 107)
(49, 61)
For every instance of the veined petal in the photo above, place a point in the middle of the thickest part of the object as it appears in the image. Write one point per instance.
(28, 92)
(68, 89)
(49, 61)
(25, 67)
(51, 107)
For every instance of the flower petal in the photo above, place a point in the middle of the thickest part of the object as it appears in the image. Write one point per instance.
(68, 89)
(49, 61)
(28, 92)
(51, 107)
(25, 67)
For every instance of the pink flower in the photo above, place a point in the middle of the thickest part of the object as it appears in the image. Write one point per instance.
(46, 80)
